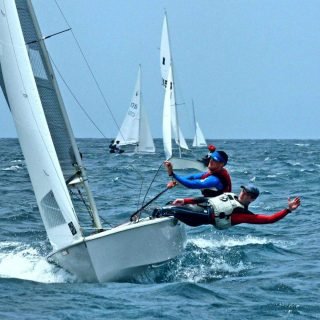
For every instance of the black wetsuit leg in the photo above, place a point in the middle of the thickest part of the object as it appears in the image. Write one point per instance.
(188, 216)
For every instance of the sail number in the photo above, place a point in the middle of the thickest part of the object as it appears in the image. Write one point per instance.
(133, 109)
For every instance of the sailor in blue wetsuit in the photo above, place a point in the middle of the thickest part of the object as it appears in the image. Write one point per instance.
(211, 183)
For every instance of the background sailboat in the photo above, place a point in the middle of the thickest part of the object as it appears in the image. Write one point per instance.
(135, 130)
(199, 139)
(55, 165)
(170, 125)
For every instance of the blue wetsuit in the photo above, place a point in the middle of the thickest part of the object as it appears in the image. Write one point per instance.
(200, 181)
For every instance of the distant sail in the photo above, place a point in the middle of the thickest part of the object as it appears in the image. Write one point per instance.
(198, 140)
(166, 68)
(135, 128)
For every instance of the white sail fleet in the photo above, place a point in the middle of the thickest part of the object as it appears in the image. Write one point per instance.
(54, 162)
(135, 130)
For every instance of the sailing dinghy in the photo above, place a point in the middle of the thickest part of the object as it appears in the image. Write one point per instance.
(55, 166)
(135, 130)
(170, 123)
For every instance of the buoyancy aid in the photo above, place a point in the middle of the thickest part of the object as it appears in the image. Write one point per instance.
(225, 179)
(222, 208)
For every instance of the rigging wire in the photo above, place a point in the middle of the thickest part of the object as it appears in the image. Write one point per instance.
(152, 182)
(75, 98)
(103, 97)
(80, 198)
(89, 68)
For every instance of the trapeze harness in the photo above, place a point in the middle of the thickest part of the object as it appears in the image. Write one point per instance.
(221, 209)
(225, 179)
(216, 211)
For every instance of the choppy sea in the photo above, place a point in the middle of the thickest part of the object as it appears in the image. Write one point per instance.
(245, 272)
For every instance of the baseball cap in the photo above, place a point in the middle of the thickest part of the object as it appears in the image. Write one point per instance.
(219, 156)
(252, 189)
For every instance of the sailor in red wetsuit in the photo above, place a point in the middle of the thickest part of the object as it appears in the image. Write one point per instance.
(225, 210)
(211, 183)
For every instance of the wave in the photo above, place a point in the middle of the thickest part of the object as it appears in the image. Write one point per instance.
(229, 242)
(21, 261)
(12, 168)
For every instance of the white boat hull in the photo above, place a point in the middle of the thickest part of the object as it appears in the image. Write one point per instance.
(123, 252)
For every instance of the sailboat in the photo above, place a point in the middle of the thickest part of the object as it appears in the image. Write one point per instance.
(55, 166)
(135, 130)
(170, 123)
(199, 140)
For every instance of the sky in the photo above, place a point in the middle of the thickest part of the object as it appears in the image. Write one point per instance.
(252, 67)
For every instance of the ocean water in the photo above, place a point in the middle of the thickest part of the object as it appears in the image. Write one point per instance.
(245, 272)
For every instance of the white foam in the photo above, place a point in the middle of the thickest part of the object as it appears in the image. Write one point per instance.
(24, 262)
(218, 268)
(227, 242)
(12, 168)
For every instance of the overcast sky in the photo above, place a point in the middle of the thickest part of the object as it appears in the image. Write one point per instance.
(252, 67)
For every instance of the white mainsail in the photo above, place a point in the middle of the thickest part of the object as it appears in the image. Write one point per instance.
(135, 128)
(166, 123)
(166, 65)
(165, 53)
(35, 139)
(54, 164)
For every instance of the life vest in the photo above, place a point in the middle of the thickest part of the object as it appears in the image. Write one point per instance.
(222, 208)
(224, 177)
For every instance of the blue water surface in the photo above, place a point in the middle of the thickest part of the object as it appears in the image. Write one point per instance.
(245, 272)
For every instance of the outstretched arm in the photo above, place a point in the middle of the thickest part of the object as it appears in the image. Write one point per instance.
(238, 218)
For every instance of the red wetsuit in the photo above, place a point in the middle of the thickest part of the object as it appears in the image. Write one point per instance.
(225, 179)
(238, 216)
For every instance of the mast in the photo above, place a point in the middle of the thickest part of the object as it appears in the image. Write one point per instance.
(140, 108)
(166, 123)
(195, 125)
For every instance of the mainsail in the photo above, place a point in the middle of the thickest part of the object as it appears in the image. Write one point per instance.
(135, 128)
(43, 128)
(166, 65)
